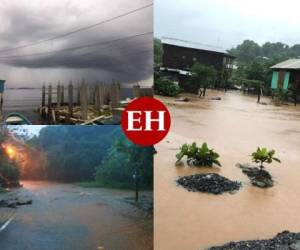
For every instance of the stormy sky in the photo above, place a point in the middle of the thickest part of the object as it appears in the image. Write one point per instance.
(119, 50)
(227, 23)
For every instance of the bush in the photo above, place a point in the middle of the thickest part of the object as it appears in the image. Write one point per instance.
(166, 87)
(196, 156)
(9, 173)
(262, 155)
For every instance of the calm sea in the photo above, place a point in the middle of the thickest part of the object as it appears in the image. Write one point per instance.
(30, 99)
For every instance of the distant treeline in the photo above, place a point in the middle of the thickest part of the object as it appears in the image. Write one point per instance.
(88, 153)
(250, 50)
(254, 61)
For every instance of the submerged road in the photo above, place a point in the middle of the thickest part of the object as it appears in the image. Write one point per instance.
(64, 217)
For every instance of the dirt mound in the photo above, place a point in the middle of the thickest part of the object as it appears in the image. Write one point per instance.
(208, 183)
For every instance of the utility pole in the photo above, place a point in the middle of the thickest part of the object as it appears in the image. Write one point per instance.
(135, 177)
(1, 98)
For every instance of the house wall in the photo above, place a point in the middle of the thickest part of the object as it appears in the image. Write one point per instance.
(184, 58)
(284, 78)
(176, 57)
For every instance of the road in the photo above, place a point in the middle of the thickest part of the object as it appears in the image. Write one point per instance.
(65, 216)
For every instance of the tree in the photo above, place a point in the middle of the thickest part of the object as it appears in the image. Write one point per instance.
(203, 76)
(9, 171)
(123, 159)
(247, 51)
(158, 52)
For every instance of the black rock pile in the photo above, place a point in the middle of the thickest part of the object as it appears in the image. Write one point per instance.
(258, 177)
(208, 183)
(282, 241)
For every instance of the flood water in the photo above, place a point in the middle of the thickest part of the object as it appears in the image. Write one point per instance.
(234, 127)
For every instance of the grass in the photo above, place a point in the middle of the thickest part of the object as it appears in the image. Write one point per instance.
(2, 190)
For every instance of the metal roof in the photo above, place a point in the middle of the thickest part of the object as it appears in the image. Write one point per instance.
(192, 45)
(179, 71)
(288, 64)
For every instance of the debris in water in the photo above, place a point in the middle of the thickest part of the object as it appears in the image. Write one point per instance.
(14, 203)
(208, 183)
(283, 241)
(258, 177)
(183, 99)
(215, 98)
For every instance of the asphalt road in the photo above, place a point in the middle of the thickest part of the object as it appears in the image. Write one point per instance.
(64, 217)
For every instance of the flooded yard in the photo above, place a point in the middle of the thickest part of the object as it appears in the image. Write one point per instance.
(234, 126)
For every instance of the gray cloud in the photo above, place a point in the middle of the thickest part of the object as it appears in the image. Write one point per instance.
(128, 60)
(228, 23)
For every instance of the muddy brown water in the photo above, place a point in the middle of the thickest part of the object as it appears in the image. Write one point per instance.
(234, 126)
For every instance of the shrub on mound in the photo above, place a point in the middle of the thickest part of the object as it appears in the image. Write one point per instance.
(198, 156)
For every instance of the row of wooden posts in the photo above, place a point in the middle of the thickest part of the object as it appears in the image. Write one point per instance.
(98, 96)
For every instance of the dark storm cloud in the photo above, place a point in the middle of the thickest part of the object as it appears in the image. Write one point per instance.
(127, 58)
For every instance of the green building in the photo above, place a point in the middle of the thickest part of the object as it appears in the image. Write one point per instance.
(285, 74)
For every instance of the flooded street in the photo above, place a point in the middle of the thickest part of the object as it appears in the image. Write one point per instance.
(64, 216)
(234, 127)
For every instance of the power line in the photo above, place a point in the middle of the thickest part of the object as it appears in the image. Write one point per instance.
(79, 47)
(78, 30)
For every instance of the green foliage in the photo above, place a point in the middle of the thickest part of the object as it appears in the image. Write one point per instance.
(166, 87)
(9, 173)
(93, 156)
(282, 95)
(72, 152)
(202, 75)
(263, 155)
(247, 51)
(117, 168)
(196, 156)
(254, 61)
(250, 50)
(158, 52)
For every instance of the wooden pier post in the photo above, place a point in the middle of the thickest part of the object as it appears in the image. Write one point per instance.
(42, 110)
(49, 100)
(91, 95)
(97, 97)
(136, 91)
(43, 95)
(58, 95)
(62, 99)
(101, 95)
(84, 101)
(114, 99)
(78, 94)
(70, 100)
